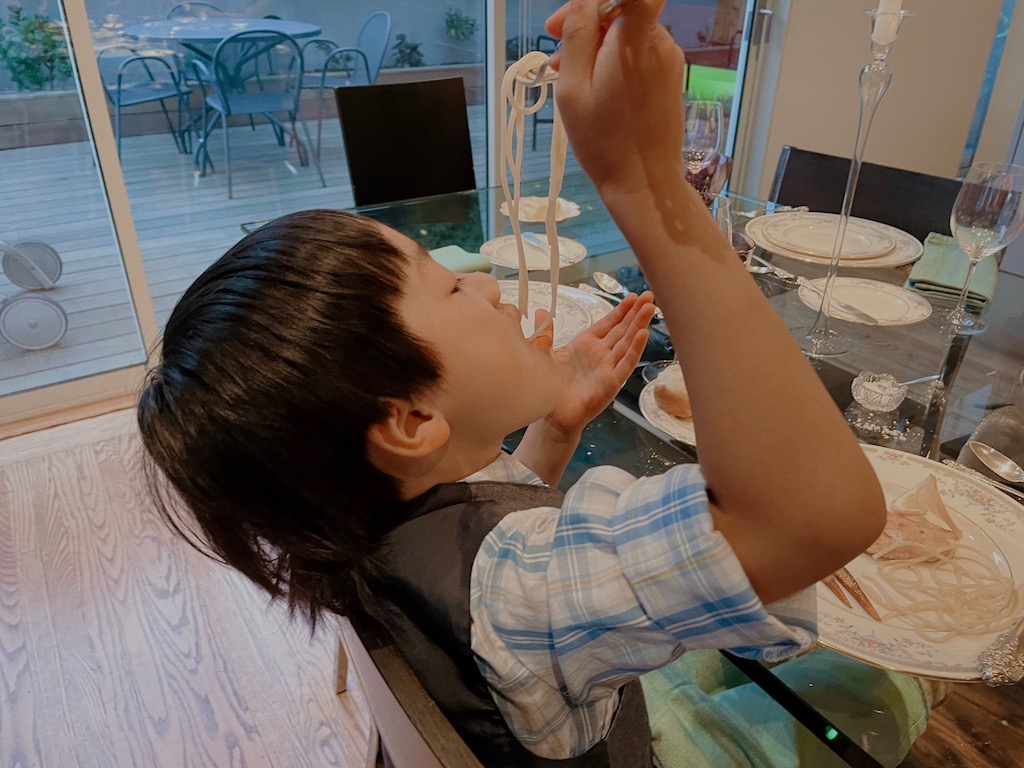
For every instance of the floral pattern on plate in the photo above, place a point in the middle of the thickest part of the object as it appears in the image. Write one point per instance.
(992, 522)
(574, 313)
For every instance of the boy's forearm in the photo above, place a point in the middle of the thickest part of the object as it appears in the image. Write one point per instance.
(547, 451)
(779, 459)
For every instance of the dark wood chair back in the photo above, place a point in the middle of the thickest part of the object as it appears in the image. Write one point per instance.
(406, 140)
(414, 733)
(914, 202)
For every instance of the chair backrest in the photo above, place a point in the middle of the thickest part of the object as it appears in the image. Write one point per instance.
(414, 732)
(271, 60)
(914, 202)
(122, 68)
(406, 140)
(195, 11)
(373, 41)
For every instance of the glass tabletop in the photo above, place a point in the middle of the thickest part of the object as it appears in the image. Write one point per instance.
(954, 381)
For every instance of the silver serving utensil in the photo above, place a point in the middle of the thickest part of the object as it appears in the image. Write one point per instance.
(1002, 663)
(532, 239)
(1002, 465)
(976, 474)
(609, 284)
(542, 75)
(616, 297)
(802, 281)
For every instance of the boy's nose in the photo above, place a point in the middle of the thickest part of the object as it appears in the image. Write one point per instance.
(486, 284)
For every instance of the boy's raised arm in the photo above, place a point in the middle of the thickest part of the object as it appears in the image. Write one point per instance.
(790, 487)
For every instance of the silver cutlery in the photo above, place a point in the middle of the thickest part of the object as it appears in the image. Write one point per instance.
(1002, 465)
(536, 242)
(609, 284)
(1002, 663)
(802, 281)
(977, 475)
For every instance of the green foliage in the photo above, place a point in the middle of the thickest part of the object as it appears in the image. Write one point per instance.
(460, 26)
(33, 50)
(406, 54)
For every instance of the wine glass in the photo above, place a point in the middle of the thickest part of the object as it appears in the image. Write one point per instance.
(987, 216)
(706, 169)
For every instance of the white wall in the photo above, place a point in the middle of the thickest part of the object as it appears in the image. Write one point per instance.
(921, 124)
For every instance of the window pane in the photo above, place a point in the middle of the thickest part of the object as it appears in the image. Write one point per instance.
(181, 208)
(65, 309)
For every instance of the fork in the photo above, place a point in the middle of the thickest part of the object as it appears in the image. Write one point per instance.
(536, 242)
(538, 77)
(1003, 661)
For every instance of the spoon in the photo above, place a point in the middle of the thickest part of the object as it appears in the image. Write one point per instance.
(609, 284)
(1002, 465)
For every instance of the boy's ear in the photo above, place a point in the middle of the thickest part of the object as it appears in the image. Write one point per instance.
(410, 431)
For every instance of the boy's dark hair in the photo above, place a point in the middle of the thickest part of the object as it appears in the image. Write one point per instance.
(275, 363)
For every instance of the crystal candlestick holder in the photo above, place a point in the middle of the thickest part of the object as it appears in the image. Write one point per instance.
(820, 340)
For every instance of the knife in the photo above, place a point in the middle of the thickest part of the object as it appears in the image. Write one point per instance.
(802, 281)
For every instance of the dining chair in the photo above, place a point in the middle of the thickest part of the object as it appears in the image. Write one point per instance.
(406, 723)
(130, 78)
(546, 45)
(239, 85)
(406, 140)
(326, 64)
(195, 11)
(915, 202)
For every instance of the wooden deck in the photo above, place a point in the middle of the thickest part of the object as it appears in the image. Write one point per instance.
(53, 194)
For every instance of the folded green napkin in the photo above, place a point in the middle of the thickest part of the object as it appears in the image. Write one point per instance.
(942, 270)
(460, 260)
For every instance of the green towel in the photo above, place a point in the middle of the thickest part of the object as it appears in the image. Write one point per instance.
(459, 260)
(704, 713)
(942, 270)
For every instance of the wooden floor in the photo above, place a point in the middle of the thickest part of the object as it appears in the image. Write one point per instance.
(53, 194)
(122, 647)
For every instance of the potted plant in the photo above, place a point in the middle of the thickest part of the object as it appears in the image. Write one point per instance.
(33, 50)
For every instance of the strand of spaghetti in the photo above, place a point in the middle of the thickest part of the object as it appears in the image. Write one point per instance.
(513, 93)
(559, 149)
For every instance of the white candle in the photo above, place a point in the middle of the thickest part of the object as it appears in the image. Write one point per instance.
(887, 23)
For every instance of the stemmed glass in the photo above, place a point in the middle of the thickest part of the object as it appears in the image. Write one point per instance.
(706, 169)
(987, 216)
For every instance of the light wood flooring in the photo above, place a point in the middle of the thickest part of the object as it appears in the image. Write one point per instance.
(122, 647)
(53, 194)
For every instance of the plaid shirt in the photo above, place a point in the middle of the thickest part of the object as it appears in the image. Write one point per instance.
(569, 604)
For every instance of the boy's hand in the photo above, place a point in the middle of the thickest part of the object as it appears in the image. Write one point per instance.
(597, 363)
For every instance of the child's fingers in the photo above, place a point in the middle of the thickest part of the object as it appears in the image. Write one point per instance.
(581, 34)
(625, 366)
(543, 338)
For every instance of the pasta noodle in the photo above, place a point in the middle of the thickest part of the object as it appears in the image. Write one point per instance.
(513, 91)
(942, 594)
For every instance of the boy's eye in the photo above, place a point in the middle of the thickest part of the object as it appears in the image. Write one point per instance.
(458, 285)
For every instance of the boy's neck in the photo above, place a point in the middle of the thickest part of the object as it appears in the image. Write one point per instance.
(454, 464)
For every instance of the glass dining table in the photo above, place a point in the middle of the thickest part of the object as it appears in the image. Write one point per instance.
(953, 381)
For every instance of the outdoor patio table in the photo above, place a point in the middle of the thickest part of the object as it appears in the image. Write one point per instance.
(191, 33)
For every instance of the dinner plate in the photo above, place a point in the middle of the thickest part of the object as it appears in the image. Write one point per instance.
(503, 252)
(991, 522)
(575, 312)
(535, 209)
(815, 235)
(906, 250)
(680, 429)
(889, 304)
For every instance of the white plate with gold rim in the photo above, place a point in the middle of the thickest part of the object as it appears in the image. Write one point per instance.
(534, 209)
(991, 522)
(503, 252)
(575, 311)
(889, 304)
(815, 235)
(680, 429)
(907, 249)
